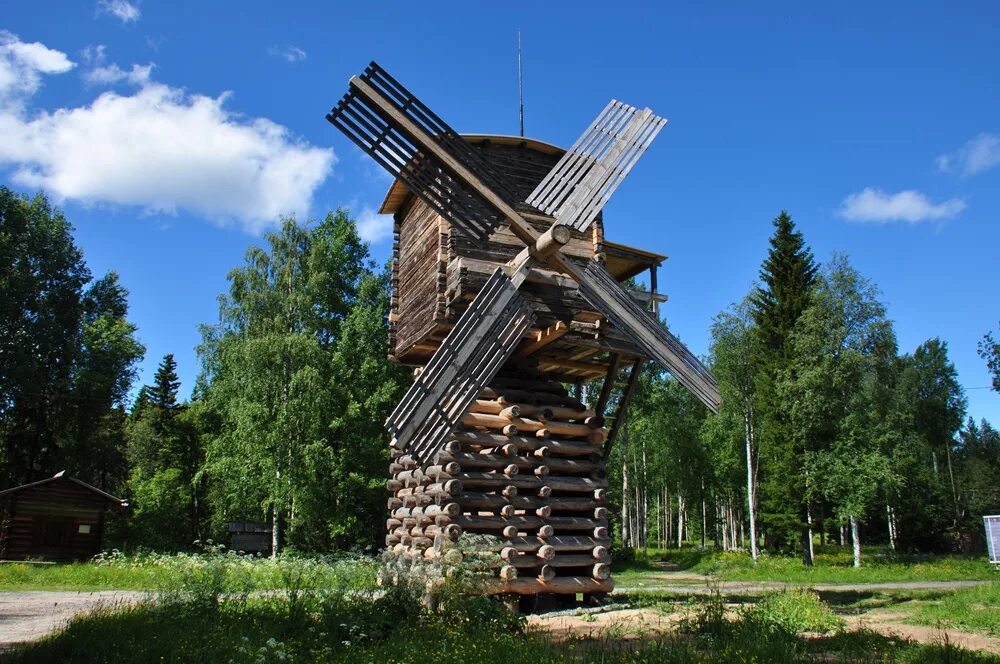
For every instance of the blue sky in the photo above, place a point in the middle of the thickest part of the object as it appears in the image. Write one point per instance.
(174, 134)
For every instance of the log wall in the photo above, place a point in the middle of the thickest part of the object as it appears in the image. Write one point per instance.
(526, 466)
(58, 520)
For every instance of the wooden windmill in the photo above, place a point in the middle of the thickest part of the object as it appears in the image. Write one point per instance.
(504, 291)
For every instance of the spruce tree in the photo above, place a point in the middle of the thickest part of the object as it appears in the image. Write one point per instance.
(163, 392)
(787, 277)
(788, 274)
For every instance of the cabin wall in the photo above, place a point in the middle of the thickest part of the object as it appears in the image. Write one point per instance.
(54, 521)
(418, 275)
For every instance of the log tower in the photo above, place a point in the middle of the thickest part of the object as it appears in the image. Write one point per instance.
(526, 463)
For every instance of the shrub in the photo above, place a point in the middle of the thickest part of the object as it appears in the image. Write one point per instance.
(795, 610)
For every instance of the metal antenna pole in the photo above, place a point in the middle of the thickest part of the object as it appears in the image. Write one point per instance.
(520, 82)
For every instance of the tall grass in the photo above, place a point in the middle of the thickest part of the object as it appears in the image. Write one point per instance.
(226, 571)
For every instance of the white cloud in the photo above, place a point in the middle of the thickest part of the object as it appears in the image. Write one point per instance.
(22, 64)
(373, 227)
(123, 10)
(161, 149)
(980, 154)
(111, 74)
(911, 206)
(289, 53)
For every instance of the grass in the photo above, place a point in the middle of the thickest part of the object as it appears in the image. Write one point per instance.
(230, 572)
(209, 608)
(327, 626)
(972, 609)
(832, 565)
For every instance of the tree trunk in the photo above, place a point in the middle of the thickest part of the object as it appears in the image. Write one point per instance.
(626, 498)
(670, 514)
(890, 521)
(954, 489)
(704, 519)
(275, 530)
(809, 520)
(751, 489)
(645, 499)
(822, 525)
(857, 541)
(680, 519)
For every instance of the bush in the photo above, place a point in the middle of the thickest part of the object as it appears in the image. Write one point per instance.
(794, 610)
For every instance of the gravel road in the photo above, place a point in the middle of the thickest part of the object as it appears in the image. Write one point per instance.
(29, 615)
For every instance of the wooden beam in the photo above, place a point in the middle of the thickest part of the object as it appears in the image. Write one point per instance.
(586, 367)
(518, 225)
(543, 339)
(623, 403)
(609, 381)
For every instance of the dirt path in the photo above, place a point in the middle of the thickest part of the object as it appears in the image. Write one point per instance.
(891, 623)
(649, 623)
(29, 615)
(624, 623)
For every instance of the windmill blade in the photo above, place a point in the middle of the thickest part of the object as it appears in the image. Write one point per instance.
(580, 184)
(389, 123)
(467, 360)
(601, 290)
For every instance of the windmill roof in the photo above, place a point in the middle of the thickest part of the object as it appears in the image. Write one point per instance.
(623, 261)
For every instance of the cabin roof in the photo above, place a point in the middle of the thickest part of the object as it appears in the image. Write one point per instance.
(622, 261)
(61, 475)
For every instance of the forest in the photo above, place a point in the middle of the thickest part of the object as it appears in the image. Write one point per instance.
(829, 432)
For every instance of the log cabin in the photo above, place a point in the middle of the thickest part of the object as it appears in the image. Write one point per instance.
(59, 518)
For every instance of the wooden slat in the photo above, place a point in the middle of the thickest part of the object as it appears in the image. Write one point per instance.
(448, 181)
(545, 337)
(605, 294)
(581, 183)
(462, 366)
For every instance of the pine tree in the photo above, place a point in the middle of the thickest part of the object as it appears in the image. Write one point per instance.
(787, 275)
(163, 392)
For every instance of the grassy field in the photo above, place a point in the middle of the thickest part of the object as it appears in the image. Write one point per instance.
(832, 565)
(972, 609)
(209, 608)
(360, 627)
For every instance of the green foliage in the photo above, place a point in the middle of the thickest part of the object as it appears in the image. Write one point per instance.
(361, 625)
(788, 274)
(296, 375)
(187, 574)
(67, 352)
(795, 610)
(160, 509)
(989, 350)
(975, 609)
